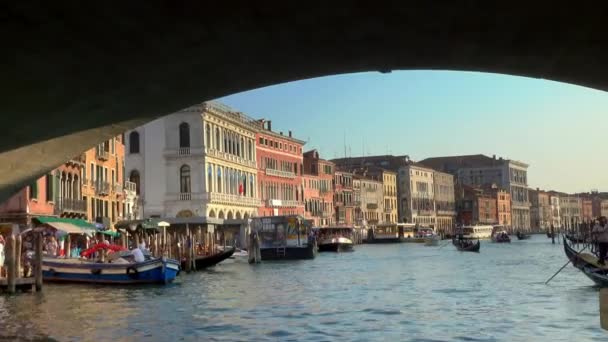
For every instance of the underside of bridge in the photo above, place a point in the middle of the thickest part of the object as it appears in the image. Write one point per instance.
(76, 73)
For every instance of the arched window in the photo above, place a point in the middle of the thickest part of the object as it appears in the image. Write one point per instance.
(134, 142)
(209, 178)
(250, 155)
(184, 179)
(134, 178)
(225, 141)
(219, 179)
(251, 183)
(218, 139)
(231, 147)
(184, 135)
(208, 136)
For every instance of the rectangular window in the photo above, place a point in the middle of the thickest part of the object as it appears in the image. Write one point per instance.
(86, 204)
(261, 141)
(92, 171)
(92, 209)
(49, 188)
(113, 211)
(113, 178)
(34, 190)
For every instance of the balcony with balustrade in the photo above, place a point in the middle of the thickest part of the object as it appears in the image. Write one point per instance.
(283, 203)
(186, 196)
(279, 173)
(130, 186)
(70, 205)
(78, 160)
(229, 199)
(183, 152)
(230, 158)
(102, 154)
(102, 188)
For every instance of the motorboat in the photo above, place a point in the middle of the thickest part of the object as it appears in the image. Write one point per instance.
(335, 239)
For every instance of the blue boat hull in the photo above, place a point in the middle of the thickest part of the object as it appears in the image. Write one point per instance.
(161, 271)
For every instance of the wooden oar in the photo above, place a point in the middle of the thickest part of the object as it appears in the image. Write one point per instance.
(566, 264)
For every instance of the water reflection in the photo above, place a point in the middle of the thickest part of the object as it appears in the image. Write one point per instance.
(401, 292)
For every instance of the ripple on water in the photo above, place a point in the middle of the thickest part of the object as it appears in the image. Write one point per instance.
(378, 293)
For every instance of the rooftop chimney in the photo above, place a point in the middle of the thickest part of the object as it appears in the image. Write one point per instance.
(269, 122)
(281, 133)
(290, 134)
(494, 156)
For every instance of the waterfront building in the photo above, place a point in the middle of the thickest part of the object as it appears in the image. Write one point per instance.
(479, 170)
(556, 220)
(475, 206)
(604, 208)
(445, 202)
(317, 179)
(280, 169)
(416, 194)
(200, 161)
(541, 216)
(389, 186)
(570, 211)
(58, 193)
(586, 210)
(357, 211)
(343, 198)
(372, 199)
(102, 188)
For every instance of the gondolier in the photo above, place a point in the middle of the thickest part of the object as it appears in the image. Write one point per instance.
(601, 232)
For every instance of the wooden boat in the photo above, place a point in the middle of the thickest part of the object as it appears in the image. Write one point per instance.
(284, 237)
(521, 236)
(575, 238)
(588, 264)
(201, 261)
(335, 239)
(466, 245)
(499, 235)
(157, 270)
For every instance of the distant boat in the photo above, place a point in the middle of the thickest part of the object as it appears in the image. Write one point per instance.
(477, 232)
(432, 240)
(202, 261)
(521, 236)
(500, 235)
(466, 245)
(335, 239)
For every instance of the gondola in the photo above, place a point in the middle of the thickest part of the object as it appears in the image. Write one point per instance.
(521, 236)
(587, 263)
(466, 245)
(575, 239)
(211, 260)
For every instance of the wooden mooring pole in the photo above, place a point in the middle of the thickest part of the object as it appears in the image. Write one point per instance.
(11, 264)
(38, 262)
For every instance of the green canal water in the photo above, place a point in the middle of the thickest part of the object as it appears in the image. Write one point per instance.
(400, 292)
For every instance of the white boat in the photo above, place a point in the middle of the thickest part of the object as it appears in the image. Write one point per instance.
(477, 232)
(432, 240)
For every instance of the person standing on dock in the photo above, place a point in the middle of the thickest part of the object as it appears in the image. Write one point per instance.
(601, 231)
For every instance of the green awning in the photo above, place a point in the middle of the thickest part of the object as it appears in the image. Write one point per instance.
(77, 222)
(68, 225)
(109, 233)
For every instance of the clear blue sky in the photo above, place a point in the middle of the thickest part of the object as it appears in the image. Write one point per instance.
(559, 129)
